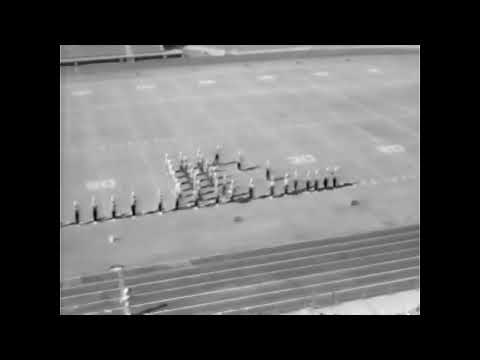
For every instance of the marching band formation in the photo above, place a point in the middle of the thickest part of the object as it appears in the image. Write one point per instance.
(200, 174)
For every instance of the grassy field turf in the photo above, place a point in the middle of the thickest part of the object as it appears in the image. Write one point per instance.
(340, 119)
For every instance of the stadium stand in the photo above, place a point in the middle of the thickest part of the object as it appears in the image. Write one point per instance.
(91, 51)
(85, 54)
(146, 49)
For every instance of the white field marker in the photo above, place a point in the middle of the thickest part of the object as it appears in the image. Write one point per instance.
(101, 184)
(206, 82)
(321, 73)
(373, 182)
(146, 86)
(81, 92)
(301, 159)
(374, 71)
(391, 149)
(394, 179)
(266, 77)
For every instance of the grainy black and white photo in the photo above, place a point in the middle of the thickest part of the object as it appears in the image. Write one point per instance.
(239, 179)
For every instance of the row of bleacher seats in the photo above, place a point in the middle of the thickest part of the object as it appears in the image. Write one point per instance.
(73, 52)
(146, 49)
(87, 51)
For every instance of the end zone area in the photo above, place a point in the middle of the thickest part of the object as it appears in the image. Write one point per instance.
(360, 113)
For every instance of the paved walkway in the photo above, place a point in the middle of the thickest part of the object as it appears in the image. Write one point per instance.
(399, 303)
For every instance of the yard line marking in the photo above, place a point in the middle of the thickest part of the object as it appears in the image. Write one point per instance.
(321, 73)
(206, 82)
(81, 92)
(373, 182)
(265, 77)
(394, 179)
(145, 86)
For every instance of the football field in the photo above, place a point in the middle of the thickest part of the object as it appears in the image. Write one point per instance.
(359, 113)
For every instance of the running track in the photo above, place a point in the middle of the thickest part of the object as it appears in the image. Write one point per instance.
(265, 281)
